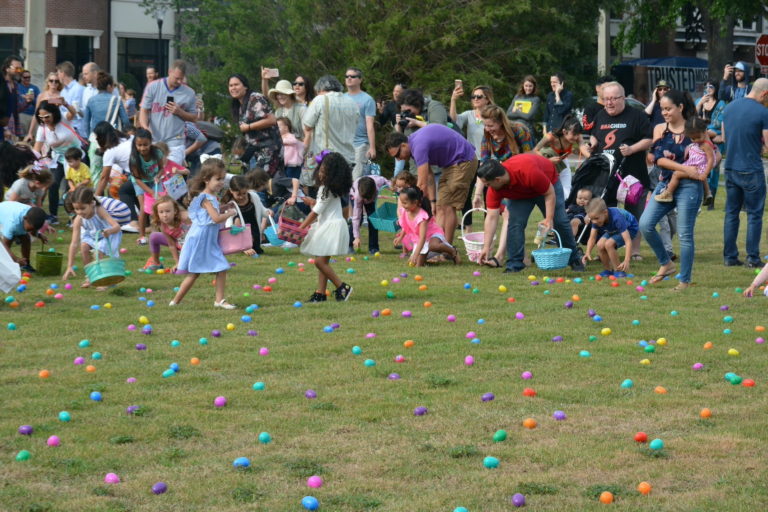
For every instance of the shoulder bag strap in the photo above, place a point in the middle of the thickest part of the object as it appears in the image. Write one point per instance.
(112, 118)
(326, 120)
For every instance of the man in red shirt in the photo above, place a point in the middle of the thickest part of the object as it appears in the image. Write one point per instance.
(522, 182)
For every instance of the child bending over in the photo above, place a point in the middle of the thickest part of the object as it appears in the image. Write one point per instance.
(616, 228)
(420, 232)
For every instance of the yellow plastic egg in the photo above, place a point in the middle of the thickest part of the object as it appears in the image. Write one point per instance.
(143, 320)
(502, 288)
(661, 342)
(531, 277)
(230, 327)
(108, 305)
(384, 282)
(645, 361)
(733, 352)
(606, 331)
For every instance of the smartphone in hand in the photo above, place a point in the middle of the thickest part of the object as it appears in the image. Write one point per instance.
(273, 73)
(169, 99)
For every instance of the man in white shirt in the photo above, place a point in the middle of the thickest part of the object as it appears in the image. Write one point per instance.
(340, 117)
(72, 92)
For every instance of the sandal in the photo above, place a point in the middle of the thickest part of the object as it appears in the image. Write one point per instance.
(660, 277)
(492, 262)
(681, 286)
(637, 257)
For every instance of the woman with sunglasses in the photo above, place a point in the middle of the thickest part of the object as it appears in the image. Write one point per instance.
(710, 108)
(481, 97)
(51, 94)
(58, 137)
(654, 107)
(304, 90)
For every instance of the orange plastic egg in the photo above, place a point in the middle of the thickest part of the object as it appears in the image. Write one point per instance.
(409, 343)
(644, 488)
(705, 413)
(529, 423)
(759, 328)
(90, 368)
(660, 390)
(43, 374)
(708, 345)
(418, 278)
(50, 291)
(606, 497)
(422, 287)
(427, 304)
(194, 361)
(14, 304)
(386, 312)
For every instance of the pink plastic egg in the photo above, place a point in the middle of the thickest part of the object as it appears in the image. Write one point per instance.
(469, 360)
(263, 351)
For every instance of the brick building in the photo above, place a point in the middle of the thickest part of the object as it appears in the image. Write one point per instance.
(116, 34)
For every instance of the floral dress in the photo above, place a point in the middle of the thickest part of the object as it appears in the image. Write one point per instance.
(266, 145)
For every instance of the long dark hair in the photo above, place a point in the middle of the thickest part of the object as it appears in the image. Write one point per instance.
(682, 99)
(135, 162)
(715, 84)
(416, 194)
(338, 175)
(570, 122)
(107, 136)
(236, 107)
(309, 86)
(51, 109)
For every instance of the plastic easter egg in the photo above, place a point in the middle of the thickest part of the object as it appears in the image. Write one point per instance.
(597, 318)
(502, 288)
(585, 353)
(451, 318)
(265, 438)
(96, 356)
(727, 331)
(95, 396)
(393, 376)
(357, 350)
(697, 366)
(660, 390)
(26, 430)
(141, 346)
(11, 326)
(708, 345)
(627, 384)
(310, 502)
(559, 416)
(733, 352)
(53, 441)
(674, 313)
(68, 286)
(705, 413)
(530, 423)
(759, 341)
(491, 462)
(369, 363)
(84, 344)
(399, 358)
(23, 455)
(661, 342)
(251, 332)
(606, 497)
(406, 314)
(314, 482)
(531, 277)
(220, 401)
(111, 478)
(644, 488)
(526, 375)
(650, 348)
(645, 362)
(230, 327)
(499, 436)
(90, 368)
(518, 500)
(420, 411)
(641, 437)
(131, 327)
(241, 462)
(310, 393)
(529, 392)
(258, 386)
(159, 488)
(487, 397)
(519, 315)
(216, 333)
(656, 444)
(461, 509)
(635, 322)
(409, 343)
(263, 351)
(748, 383)
(469, 360)
(606, 331)
(728, 319)
(44, 374)
(384, 282)
(131, 380)
(386, 312)
(143, 320)
(568, 304)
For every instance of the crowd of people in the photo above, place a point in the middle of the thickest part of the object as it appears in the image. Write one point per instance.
(130, 166)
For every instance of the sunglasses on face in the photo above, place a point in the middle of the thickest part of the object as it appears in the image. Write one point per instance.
(53, 81)
(26, 77)
(298, 84)
(478, 97)
(351, 76)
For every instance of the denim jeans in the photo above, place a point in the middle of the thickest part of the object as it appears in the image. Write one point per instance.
(519, 212)
(687, 199)
(743, 189)
(668, 223)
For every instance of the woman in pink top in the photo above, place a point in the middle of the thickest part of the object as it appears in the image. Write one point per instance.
(420, 232)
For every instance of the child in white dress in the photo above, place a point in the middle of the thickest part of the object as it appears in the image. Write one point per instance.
(201, 252)
(328, 236)
(92, 229)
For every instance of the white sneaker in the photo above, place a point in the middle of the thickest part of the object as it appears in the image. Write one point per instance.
(127, 228)
(172, 303)
(223, 304)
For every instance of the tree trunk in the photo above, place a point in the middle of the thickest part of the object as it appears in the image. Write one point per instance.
(719, 42)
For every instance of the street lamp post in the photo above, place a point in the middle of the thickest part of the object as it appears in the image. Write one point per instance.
(160, 17)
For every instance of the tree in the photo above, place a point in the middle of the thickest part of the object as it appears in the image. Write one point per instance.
(713, 19)
(427, 44)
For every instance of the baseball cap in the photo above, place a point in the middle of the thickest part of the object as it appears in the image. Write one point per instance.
(740, 65)
(662, 83)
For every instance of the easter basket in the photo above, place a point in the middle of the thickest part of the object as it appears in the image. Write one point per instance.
(385, 218)
(105, 271)
(271, 234)
(49, 263)
(289, 225)
(473, 242)
(552, 259)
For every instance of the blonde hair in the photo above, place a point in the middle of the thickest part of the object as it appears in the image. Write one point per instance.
(210, 168)
(596, 205)
(30, 172)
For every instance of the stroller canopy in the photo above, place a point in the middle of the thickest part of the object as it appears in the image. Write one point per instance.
(594, 174)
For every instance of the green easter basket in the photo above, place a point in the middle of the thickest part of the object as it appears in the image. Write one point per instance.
(106, 271)
(552, 259)
(49, 263)
(385, 218)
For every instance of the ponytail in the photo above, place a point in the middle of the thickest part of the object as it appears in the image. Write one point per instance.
(416, 194)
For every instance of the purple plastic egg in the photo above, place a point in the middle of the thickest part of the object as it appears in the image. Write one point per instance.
(476, 273)
(569, 304)
(131, 409)
(557, 338)
(487, 397)
(519, 315)
(370, 335)
(395, 280)
(407, 314)
(559, 415)
(697, 366)
(335, 326)
(310, 393)
(375, 313)
(219, 401)
(251, 332)
(724, 307)
(216, 333)
(393, 376)
(526, 375)
(159, 488)
(141, 346)
(79, 360)
(131, 327)
(518, 500)
(534, 283)
(131, 380)
(451, 318)
(26, 430)
(591, 312)
(420, 411)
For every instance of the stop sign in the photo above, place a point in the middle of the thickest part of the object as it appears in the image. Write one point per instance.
(761, 50)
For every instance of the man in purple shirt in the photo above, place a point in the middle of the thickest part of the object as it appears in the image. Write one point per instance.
(438, 145)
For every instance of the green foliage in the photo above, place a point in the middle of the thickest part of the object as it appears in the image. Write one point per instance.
(426, 44)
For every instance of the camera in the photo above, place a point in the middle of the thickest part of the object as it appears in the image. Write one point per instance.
(405, 117)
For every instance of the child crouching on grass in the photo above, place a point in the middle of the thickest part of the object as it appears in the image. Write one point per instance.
(92, 229)
(616, 228)
(759, 279)
(420, 232)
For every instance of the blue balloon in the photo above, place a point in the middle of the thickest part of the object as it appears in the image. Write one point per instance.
(310, 503)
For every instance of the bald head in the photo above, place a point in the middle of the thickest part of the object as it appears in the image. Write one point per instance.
(90, 69)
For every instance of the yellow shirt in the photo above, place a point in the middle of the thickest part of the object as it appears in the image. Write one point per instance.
(77, 176)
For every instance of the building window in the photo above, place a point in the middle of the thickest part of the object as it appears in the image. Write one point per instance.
(751, 25)
(133, 57)
(76, 49)
(10, 44)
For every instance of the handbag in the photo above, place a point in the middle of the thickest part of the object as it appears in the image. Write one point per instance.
(289, 225)
(233, 238)
(84, 144)
(307, 176)
(630, 190)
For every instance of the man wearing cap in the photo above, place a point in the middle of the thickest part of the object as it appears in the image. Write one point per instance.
(365, 135)
(734, 84)
(283, 98)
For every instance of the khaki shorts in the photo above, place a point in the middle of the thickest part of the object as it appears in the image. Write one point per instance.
(455, 182)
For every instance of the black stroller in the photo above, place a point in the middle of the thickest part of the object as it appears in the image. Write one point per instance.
(594, 174)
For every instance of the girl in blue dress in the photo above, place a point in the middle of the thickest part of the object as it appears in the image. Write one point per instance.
(201, 253)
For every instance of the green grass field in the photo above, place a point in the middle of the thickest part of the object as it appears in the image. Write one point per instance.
(360, 434)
